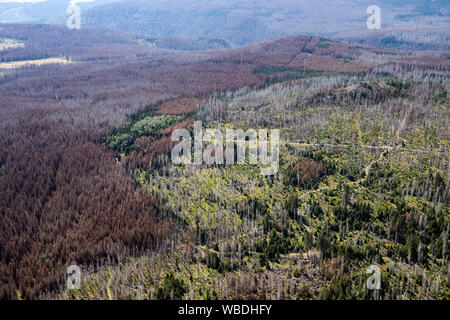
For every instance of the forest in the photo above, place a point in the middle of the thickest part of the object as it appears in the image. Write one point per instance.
(86, 177)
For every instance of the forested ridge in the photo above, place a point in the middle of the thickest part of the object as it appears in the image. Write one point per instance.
(86, 179)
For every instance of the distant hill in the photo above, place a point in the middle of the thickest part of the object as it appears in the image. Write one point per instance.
(241, 22)
(426, 38)
(183, 43)
(40, 12)
(219, 24)
(45, 41)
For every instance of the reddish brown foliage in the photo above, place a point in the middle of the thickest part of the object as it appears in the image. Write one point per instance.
(65, 201)
(326, 63)
(309, 170)
(178, 106)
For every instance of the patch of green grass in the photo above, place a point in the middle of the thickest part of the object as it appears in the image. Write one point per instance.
(324, 44)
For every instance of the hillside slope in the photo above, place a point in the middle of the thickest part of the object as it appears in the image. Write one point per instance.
(362, 181)
(240, 22)
(58, 180)
(85, 175)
